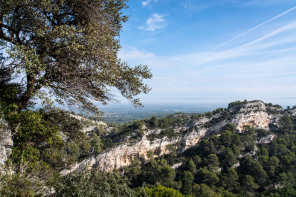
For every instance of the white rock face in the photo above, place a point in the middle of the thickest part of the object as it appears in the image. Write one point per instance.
(267, 139)
(6, 144)
(177, 165)
(253, 114)
(123, 155)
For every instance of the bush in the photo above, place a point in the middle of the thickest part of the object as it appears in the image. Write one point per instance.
(93, 183)
(161, 191)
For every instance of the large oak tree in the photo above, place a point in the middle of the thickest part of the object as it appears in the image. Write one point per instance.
(68, 48)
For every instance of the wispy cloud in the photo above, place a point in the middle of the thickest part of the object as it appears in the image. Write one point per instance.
(195, 6)
(147, 2)
(264, 67)
(285, 28)
(256, 27)
(134, 53)
(156, 21)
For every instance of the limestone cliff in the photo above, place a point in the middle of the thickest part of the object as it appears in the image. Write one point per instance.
(6, 143)
(254, 114)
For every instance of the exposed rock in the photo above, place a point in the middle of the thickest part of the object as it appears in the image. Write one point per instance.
(252, 114)
(89, 129)
(267, 139)
(6, 144)
(122, 155)
(177, 165)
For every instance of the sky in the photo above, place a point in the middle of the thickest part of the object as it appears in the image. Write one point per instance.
(213, 50)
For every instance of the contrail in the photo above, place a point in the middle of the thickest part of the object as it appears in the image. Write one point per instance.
(280, 30)
(256, 27)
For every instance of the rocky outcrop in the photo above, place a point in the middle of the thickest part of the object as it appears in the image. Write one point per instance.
(252, 114)
(122, 155)
(6, 144)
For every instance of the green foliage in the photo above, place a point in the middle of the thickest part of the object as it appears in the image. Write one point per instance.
(187, 183)
(92, 183)
(35, 142)
(286, 124)
(254, 169)
(209, 168)
(159, 171)
(208, 177)
(150, 154)
(211, 162)
(32, 182)
(203, 190)
(55, 45)
(161, 191)
(248, 184)
(191, 166)
(236, 103)
(153, 122)
(96, 144)
(230, 127)
(166, 132)
(282, 192)
(229, 180)
(196, 159)
(9, 91)
(172, 120)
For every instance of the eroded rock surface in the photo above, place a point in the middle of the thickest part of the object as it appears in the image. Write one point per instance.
(252, 114)
(6, 144)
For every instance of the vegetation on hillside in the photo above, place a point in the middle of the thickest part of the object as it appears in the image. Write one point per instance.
(228, 164)
(67, 50)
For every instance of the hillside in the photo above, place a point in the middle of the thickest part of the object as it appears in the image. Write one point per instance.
(181, 132)
(246, 149)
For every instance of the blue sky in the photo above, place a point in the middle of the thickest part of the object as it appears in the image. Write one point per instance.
(213, 50)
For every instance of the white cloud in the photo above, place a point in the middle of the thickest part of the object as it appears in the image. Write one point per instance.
(147, 2)
(131, 53)
(261, 68)
(144, 3)
(156, 21)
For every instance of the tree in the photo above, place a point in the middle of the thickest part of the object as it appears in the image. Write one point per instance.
(159, 171)
(286, 124)
(92, 183)
(187, 183)
(161, 191)
(204, 190)
(96, 144)
(230, 127)
(153, 122)
(272, 165)
(229, 179)
(248, 184)
(197, 160)
(191, 166)
(212, 162)
(254, 169)
(207, 177)
(67, 49)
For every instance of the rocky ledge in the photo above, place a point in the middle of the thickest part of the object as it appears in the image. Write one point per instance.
(6, 144)
(251, 113)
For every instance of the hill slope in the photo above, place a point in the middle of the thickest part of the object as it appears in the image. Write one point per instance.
(187, 131)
